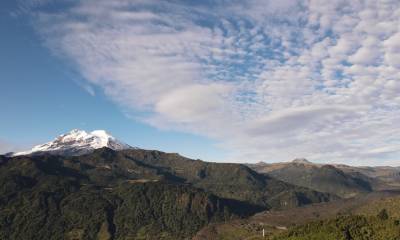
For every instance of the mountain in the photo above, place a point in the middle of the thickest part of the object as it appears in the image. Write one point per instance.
(389, 177)
(133, 193)
(41, 198)
(233, 181)
(129, 193)
(226, 180)
(320, 177)
(77, 142)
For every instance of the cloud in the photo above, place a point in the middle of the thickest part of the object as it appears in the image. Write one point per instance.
(194, 103)
(300, 118)
(392, 53)
(269, 80)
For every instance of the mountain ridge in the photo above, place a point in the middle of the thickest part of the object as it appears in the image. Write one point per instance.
(132, 194)
(342, 180)
(128, 192)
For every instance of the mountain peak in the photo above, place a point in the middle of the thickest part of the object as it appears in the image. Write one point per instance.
(78, 142)
(76, 132)
(302, 161)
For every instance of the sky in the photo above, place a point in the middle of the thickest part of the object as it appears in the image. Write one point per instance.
(238, 81)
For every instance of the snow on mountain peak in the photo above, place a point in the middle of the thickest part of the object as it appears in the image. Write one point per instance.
(78, 142)
(301, 161)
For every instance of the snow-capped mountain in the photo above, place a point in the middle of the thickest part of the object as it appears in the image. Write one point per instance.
(77, 142)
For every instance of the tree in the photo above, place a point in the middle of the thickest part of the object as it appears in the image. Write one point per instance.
(383, 215)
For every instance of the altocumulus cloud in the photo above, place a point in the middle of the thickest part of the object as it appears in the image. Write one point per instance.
(271, 80)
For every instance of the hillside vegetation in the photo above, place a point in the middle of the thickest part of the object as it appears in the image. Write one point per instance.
(351, 227)
(346, 228)
(133, 194)
(371, 217)
(42, 199)
(233, 181)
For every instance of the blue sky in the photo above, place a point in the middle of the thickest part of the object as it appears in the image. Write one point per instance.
(241, 81)
(43, 97)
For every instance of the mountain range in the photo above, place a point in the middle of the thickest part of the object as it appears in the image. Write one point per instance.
(93, 186)
(342, 180)
(81, 187)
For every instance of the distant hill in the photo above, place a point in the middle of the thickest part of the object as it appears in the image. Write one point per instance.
(334, 179)
(386, 177)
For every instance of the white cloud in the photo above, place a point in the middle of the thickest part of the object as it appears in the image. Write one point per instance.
(270, 80)
(194, 103)
(300, 118)
(392, 53)
(365, 56)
